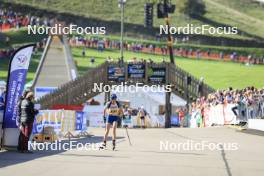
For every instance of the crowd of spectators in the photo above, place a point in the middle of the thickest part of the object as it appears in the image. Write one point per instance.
(248, 102)
(10, 19)
(102, 44)
(94, 42)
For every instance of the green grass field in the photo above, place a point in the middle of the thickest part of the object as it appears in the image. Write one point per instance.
(244, 14)
(20, 37)
(32, 68)
(259, 52)
(217, 74)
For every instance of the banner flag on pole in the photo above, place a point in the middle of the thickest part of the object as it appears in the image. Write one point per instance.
(18, 68)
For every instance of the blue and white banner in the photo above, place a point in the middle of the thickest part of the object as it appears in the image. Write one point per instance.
(48, 118)
(60, 120)
(18, 69)
(80, 121)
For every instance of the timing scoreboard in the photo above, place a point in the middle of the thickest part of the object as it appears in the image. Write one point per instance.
(154, 73)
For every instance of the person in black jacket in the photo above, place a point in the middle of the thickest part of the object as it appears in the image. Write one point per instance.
(27, 114)
(18, 121)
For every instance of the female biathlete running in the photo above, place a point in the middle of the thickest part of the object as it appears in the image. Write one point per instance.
(112, 112)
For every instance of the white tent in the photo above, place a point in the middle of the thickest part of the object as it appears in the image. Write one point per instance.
(160, 98)
(150, 99)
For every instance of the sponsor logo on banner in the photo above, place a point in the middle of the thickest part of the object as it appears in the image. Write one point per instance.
(60, 120)
(48, 118)
(80, 122)
(22, 60)
(18, 69)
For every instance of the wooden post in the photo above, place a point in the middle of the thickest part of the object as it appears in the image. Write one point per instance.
(146, 72)
(186, 91)
(107, 97)
(167, 100)
(168, 110)
(169, 35)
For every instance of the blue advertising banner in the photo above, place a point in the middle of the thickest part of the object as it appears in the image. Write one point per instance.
(60, 120)
(17, 74)
(116, 73)
(80, 121)
(48, 118)
(175, 120)
(136, 71)
(157, 75)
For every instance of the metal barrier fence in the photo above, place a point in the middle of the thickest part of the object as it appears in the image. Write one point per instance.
(254, 111)
(225, 114)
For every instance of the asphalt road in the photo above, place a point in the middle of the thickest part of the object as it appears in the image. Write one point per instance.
(207, 151)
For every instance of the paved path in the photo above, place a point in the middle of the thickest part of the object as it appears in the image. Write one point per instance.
(144, 157)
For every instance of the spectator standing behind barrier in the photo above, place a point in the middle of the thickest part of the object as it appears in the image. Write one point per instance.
(142, 115)
(127, 113)
(236, 107)
(249, 102)
(127, 116)
(26, 120)
(181, 116)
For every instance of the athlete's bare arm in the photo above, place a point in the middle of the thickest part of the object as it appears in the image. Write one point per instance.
(105, 111)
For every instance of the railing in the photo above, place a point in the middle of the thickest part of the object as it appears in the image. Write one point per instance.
(41, 61)
(196, 88)
(77, 91)
(80, 90)
(251, 111)
(206, 115)
(70, 61)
